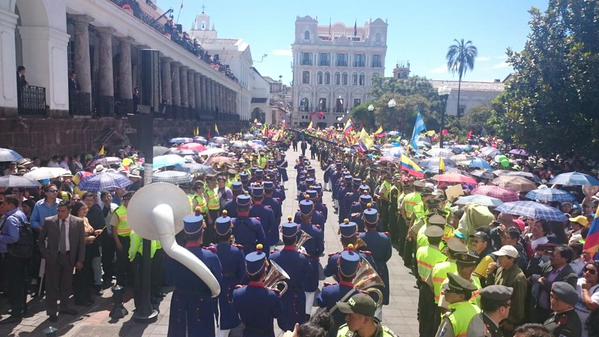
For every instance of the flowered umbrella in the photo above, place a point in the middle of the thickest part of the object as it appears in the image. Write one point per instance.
(534, 210)
(167, 160)
(482, 200)
(549, 195)
(106, 161)
(42, 173)
(574, 179)
(9, 155)
(104, 181)
(480, 163)
(455, 178)
(173, 177)
(496, 192)
(514, 183)
(195, 147)
(12, 181)
(519, 152)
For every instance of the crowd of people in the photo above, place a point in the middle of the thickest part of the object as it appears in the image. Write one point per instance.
(479, 271)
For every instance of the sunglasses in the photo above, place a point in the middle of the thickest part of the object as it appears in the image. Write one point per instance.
(590, 271)
(52, 191)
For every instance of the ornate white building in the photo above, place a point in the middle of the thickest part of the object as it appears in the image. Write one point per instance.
(333, 68)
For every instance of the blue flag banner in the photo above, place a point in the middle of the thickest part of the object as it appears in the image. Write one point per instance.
(419, 128)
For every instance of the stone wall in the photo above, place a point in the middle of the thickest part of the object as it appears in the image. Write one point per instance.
(44, 137)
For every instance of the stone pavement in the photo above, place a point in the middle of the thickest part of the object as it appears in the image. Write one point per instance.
(399, 315)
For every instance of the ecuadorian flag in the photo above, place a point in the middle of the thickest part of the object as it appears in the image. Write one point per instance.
(411, 167)
(591, 244)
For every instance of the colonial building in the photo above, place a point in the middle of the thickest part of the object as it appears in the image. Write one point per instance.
(333, 68)
(83, 59)
(280, 102)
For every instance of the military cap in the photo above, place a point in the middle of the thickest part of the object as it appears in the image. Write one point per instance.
(348, 229)
(419, 183)
(268, 185)
(223, 224)
(455, 245)
(192, 224)
(565, 292)
(259, 173)
(237, 186)
(371, 215)
(458, 284)
(312, 194)
(255, 261)
(356, 182)
(347, 178)
(497, 293)
(257, 191)
(348, 262)
(244, 176)
(466, 258)
(365, 198)
(437, 219)
(289, 229)
(306, 206)
(434, 232)
(365, 188)
(311, 170)
(244, 200)
(317, 188)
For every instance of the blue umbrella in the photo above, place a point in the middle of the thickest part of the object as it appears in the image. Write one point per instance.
(9, 155)
(534, 210)
(167, 160)
(477, 199)
(549, 195)
(104, 181)
(180, 140)
(574, 179)
(12, 181)
(480, 163)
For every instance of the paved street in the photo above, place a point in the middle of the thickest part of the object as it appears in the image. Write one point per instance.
(400, 315)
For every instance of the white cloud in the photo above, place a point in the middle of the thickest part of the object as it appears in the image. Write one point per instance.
(281, 52)
(439, 70)
(483, 59)
(502, 65)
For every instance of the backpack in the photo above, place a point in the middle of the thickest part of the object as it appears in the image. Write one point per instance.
(23, 248)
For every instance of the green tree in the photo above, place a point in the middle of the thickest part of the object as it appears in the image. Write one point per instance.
(477, 120)
(551, 102)
(460, 58)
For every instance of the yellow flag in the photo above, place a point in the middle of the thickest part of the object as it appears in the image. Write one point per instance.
(441, 165)
(216, 129)
(102, 151)
(366, 139)
(310, 127)
(379, 131)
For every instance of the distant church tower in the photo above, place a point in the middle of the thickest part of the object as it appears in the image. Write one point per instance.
(402, 71)
(201, 29)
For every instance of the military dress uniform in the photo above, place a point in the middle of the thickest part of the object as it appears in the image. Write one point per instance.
(298, 268)
(348, 231)
(231, 206)
(266, 216)
(257, 305)
(232, 260)
(192, 306)
(247, 231)
(565, 323)
(274, 204)
(482, 325)
(379, 245)
(456, 321)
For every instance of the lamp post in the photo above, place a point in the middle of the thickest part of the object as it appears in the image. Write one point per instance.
(444, 92)
(391, 105)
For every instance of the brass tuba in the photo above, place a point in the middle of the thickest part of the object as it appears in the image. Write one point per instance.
(303, 238)
(276, 277)
(368, 280)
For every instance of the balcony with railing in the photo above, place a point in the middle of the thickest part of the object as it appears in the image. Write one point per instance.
(32, 101)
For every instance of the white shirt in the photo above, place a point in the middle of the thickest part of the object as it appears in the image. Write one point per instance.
(536, 242)
(581, 309)
(67, 244)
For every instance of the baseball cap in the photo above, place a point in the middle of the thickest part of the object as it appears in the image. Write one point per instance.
(360, 303)
(581, 220)
(507, 250)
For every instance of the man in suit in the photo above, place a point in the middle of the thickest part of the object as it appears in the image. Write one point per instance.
(62, 244)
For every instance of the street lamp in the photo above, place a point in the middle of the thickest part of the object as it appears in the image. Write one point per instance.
(392, 103)
(443, 91)
(371, 108)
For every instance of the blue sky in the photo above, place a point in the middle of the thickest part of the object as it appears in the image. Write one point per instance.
(419, 31)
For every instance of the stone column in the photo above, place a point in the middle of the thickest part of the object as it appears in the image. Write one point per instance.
(8, 64)
(105, 72)
(125, 82)
(211, 95)
(191, 89)
(166, 81)
(183, 85)
(198, 93)
(204, 98)
(82, 66)
(175, 82)
(219, 105)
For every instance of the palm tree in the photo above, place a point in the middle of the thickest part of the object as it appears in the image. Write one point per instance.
(460, 59)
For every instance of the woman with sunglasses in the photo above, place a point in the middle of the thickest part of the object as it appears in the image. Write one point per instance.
(588, 297)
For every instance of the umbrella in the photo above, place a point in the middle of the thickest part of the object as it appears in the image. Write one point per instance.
(460, 158)
(482, 174)
(196, 147)
(482, 200)
(167, 160)
(200, 139)
(496, 192)
(549, 195)
(489, 151)
(9, 155)
(42, 173)
(173, 177)
(180, 140)
(211, 151)
(106, 161)
(219, 140)
(17, 182)
(534, 210)
(160, 150)
(480, 163)
(196, 168)
(574, 178)
(220, 160)
(523, 174)
(455, 178)
(519, 152)
(104, 181)
(440, 152)
(434, 162)
(514, 183)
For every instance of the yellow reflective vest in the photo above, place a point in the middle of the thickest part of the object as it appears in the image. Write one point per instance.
(122, 227)
(427, 257)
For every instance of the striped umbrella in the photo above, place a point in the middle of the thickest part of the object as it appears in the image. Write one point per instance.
(549, 195)
(534, 210)
(104, 181)
(496, 192)
(9, 155)
(574, 179)
(173, 177)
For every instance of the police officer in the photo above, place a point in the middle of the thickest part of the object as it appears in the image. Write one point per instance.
(232, 260)
(426, 258)
(266, 216)
(465, 264)
(331, 294)
(360, 316)
(456, 321)
(440, 271)
(257, 305)
(122, 240)
(495, 304)
(192, 308)
(247, 230)
(298, 268)
(564, 321)
(379, 245)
